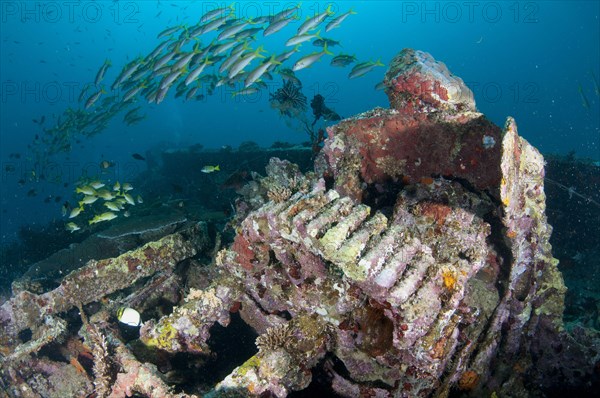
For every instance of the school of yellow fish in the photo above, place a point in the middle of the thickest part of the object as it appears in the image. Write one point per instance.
(191, 60)
(115, 198)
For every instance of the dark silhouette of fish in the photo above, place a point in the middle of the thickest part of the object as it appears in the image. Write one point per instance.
(137, 156)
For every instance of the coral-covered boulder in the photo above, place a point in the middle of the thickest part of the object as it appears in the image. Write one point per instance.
(432, 129)
(417, 83)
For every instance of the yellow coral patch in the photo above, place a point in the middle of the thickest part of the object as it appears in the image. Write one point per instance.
(164, 339)
(449, 278)
(252, 363)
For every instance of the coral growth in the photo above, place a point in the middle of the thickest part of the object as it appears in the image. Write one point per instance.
(187, 328)
(404, 259)
(426, 132)
(275, 338)
(279, 194)
(418, 84)
(95, 280)
(415, 261)
(415, 274)
(42, 315)
(101, 356)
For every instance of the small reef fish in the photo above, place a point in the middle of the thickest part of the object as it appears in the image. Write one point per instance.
(129, 317)
(105, 194)
(260, 71)
(342, 60)
(86, 190)
(210, 169)
(127, 71)
(246, 33)
(276, 26)
(284, 14)
(310, 59)
(245, 91)
(363, 68)
(168, 31)
(193, 75)
(126, 187)
(139, 199)
(112, 206)
(286, 55)
(163, 61)
(313, 22)
(167, 82)
(216, 13)
(132, 93)
(221, 48)
(96, 184)
(233, 58)
(184, 60)
(244, 61)
(88, 200)
(93, 98)
(157, 50)
(288, 74)
(103, 217)
(129, 199)
(102, 72)
(75, 212)
(137, 156)
(72, 227)
(232, 30)
(298, 39)
(117, 186)
(210, 26)
(336, 22)
(190, 94)
(40, 122)
(322, 42)
(105, 164)
(132, 117)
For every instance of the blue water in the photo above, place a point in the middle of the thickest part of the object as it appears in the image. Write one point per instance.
(522, 59)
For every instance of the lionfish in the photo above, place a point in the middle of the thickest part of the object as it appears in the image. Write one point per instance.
(289, 100)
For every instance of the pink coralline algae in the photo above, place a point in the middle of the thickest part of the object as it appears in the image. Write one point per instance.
(431, 129)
